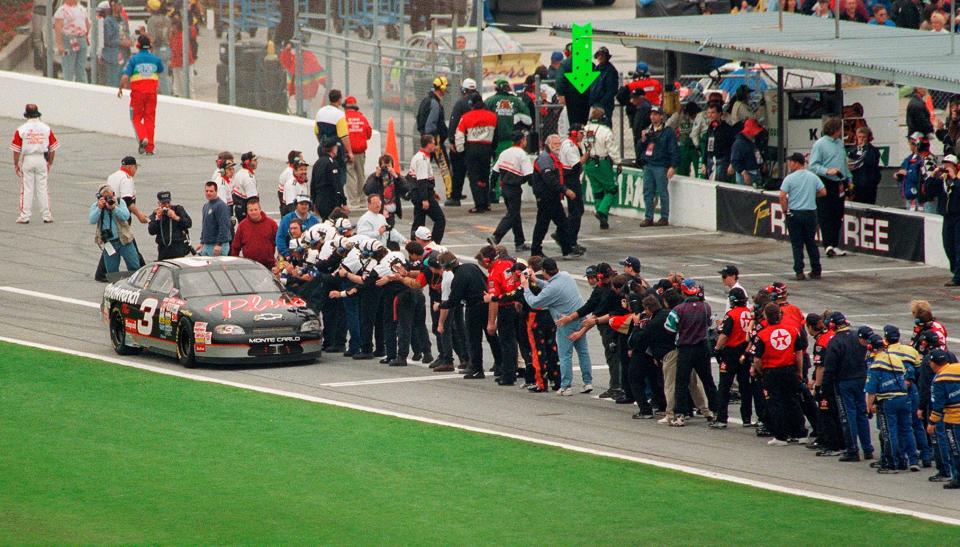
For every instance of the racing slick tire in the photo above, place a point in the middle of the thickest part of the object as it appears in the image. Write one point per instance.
(185, 347)
(118, 334)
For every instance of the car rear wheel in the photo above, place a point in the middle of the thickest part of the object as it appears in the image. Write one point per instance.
(185, 347)
(118, 334)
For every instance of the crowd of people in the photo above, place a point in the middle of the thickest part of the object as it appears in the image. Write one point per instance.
(915, 14)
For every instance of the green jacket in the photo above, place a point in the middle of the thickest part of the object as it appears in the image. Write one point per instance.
(510, 112)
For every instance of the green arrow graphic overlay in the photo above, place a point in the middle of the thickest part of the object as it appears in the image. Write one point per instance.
(582, 74)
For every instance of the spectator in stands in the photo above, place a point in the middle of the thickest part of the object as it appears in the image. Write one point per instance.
(745, 158)
(908, 13)
(918, 117)
(853, 10)
(828, 160)
(256, 236)
(864, 162)
(881, 17)
(937, 22)
(822, 9)
(603, 90)
(949, 132)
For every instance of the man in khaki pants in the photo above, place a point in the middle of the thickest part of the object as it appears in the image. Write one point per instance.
(669, 389)
(360, 133)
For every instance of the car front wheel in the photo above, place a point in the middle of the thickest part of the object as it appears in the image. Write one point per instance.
(185, 344)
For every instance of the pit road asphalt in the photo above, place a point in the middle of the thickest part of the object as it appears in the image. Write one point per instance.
(58, 260)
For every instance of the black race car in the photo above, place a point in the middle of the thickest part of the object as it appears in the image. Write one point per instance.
(217, 310)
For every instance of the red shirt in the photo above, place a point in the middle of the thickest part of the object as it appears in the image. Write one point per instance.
(652, 89)
(735, 326)
(360, 130)
(777, 346)
(499, 281)
(256, 240)
(820, 346)
(792, 315)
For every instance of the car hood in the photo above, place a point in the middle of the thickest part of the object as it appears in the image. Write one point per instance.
(267, 310)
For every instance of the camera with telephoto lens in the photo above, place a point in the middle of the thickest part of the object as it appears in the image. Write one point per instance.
(106, 235)
(165, 209)
(109, 200)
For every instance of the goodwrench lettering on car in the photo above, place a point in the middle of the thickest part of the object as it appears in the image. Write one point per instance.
(127, 296)
(253, 304)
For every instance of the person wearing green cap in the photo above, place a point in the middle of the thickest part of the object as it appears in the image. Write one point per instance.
(512, 114)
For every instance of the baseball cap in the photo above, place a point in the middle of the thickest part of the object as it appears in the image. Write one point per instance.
(103, 6)
(591, 271)
(602, 51)
(631, 261)
(423, 233)
(518, 266)
(797, 157)
(350, 101)
(865, 332)
(163, 196)
(891, 333)
(916, 136)
(31, 111)
(129, 160)
(875, 341)
(642, 68)
(343, 225)
(303, 198)
(468, 83)
(638, 92)
(940, 356)
(556, 56)
(837, 318)
(605, 270)
(299, 161)
(949, 158)
(656, 109)
(729, 270)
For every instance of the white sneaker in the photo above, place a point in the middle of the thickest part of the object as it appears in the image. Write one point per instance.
(665, 420)
(587, 388)
(22, 220)
(840, 252)
(678, 422)
(565, 392)
(776, 442)
(806, 440)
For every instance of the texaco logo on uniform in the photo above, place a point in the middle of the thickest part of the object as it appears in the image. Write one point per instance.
(780, 339)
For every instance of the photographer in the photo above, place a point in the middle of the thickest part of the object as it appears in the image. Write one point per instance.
(387, 182)
(170, 224)
(113, 235)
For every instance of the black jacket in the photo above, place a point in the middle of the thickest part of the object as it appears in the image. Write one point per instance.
(172, 237)
(866, 166)
(377, 184)
(653, 337)
(723, 136)
(325, 190)
(946, 192)
(547, 176)
(603, 90)
(906, 14)
(845, 358)
(428, 105)
(459, 109)
(918, 117)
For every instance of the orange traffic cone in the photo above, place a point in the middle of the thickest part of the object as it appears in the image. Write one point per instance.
(391, 147)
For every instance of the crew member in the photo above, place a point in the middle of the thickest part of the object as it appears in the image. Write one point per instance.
(422, 195)
(244, 184)
(473, 142)
(170, 224)
(143, 75)
(503, 318)
(292, 182)
(729, 350)
(690, 320)
(332, 125)
(844, 365)
(549, 189)
(512, 114)
(34, 147)
(458, 166)
(467, 288)
(432, 121)
(601, 146)
(778, 357)
(907, 357)
(223, 175)
(514, 168)
(572, 157)
(945, 408)
(326, 192)
(886, 390)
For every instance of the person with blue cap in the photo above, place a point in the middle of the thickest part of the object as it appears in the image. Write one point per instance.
(554, 71)
(945, 408)
(910, 359)
(886, 389)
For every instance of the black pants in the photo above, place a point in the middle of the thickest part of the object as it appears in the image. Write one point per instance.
(507, 331)
(611, 353)
(174, 250)
(574, 206)
(808, 406)
(829, 433)
(803, 232)
(419, 338)
(458, 168)
(549, 209)
(731, 368)
(436, 215)
(371, 317)
(784, 418)
(690, 359)
(830, 214)
(644, 376)
(951, 243)
(623, 360)
(478, 171)
(334, 323)
(452, 340)
(475, 319)
(864, 193)
(511, 219)
(391, 319)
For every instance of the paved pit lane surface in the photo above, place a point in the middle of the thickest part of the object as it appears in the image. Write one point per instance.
(48, 296)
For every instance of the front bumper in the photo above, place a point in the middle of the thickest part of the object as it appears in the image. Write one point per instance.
(306, 349)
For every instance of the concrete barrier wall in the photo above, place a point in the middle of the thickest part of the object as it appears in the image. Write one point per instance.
(933, 242)
(182, 122)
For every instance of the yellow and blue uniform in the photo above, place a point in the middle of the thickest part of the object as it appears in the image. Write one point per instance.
(945, 409)
(906, 355)
(887, 381)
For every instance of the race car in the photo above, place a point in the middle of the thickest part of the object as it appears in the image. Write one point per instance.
(210, 310)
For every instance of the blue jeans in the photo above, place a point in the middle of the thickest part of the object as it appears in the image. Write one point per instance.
(164, 54)
(565, 348)
(207, 249)
(853, 416)
(893, 419)
(947, 464)
(654, 185)
(111, 263)
(952, 438)
(919, 433)
(111, 67)
(754, 178)
(74, 63)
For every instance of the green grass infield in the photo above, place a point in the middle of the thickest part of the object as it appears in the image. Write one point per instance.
(97, 453)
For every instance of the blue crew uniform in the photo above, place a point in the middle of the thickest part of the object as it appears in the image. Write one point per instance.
(887, 382)
(945, 410)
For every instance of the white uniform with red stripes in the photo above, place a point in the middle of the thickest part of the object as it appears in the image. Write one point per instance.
(32, 140)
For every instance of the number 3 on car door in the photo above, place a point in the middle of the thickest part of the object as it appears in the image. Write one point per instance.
(148, 309)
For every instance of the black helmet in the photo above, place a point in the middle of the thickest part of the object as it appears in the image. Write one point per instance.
(737, 297)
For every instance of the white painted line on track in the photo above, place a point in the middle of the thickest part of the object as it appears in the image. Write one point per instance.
(648, 236)
(54, 297)
(393, 380)
(573, 448)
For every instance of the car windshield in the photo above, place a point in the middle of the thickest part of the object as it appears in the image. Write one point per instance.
(227, 282)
